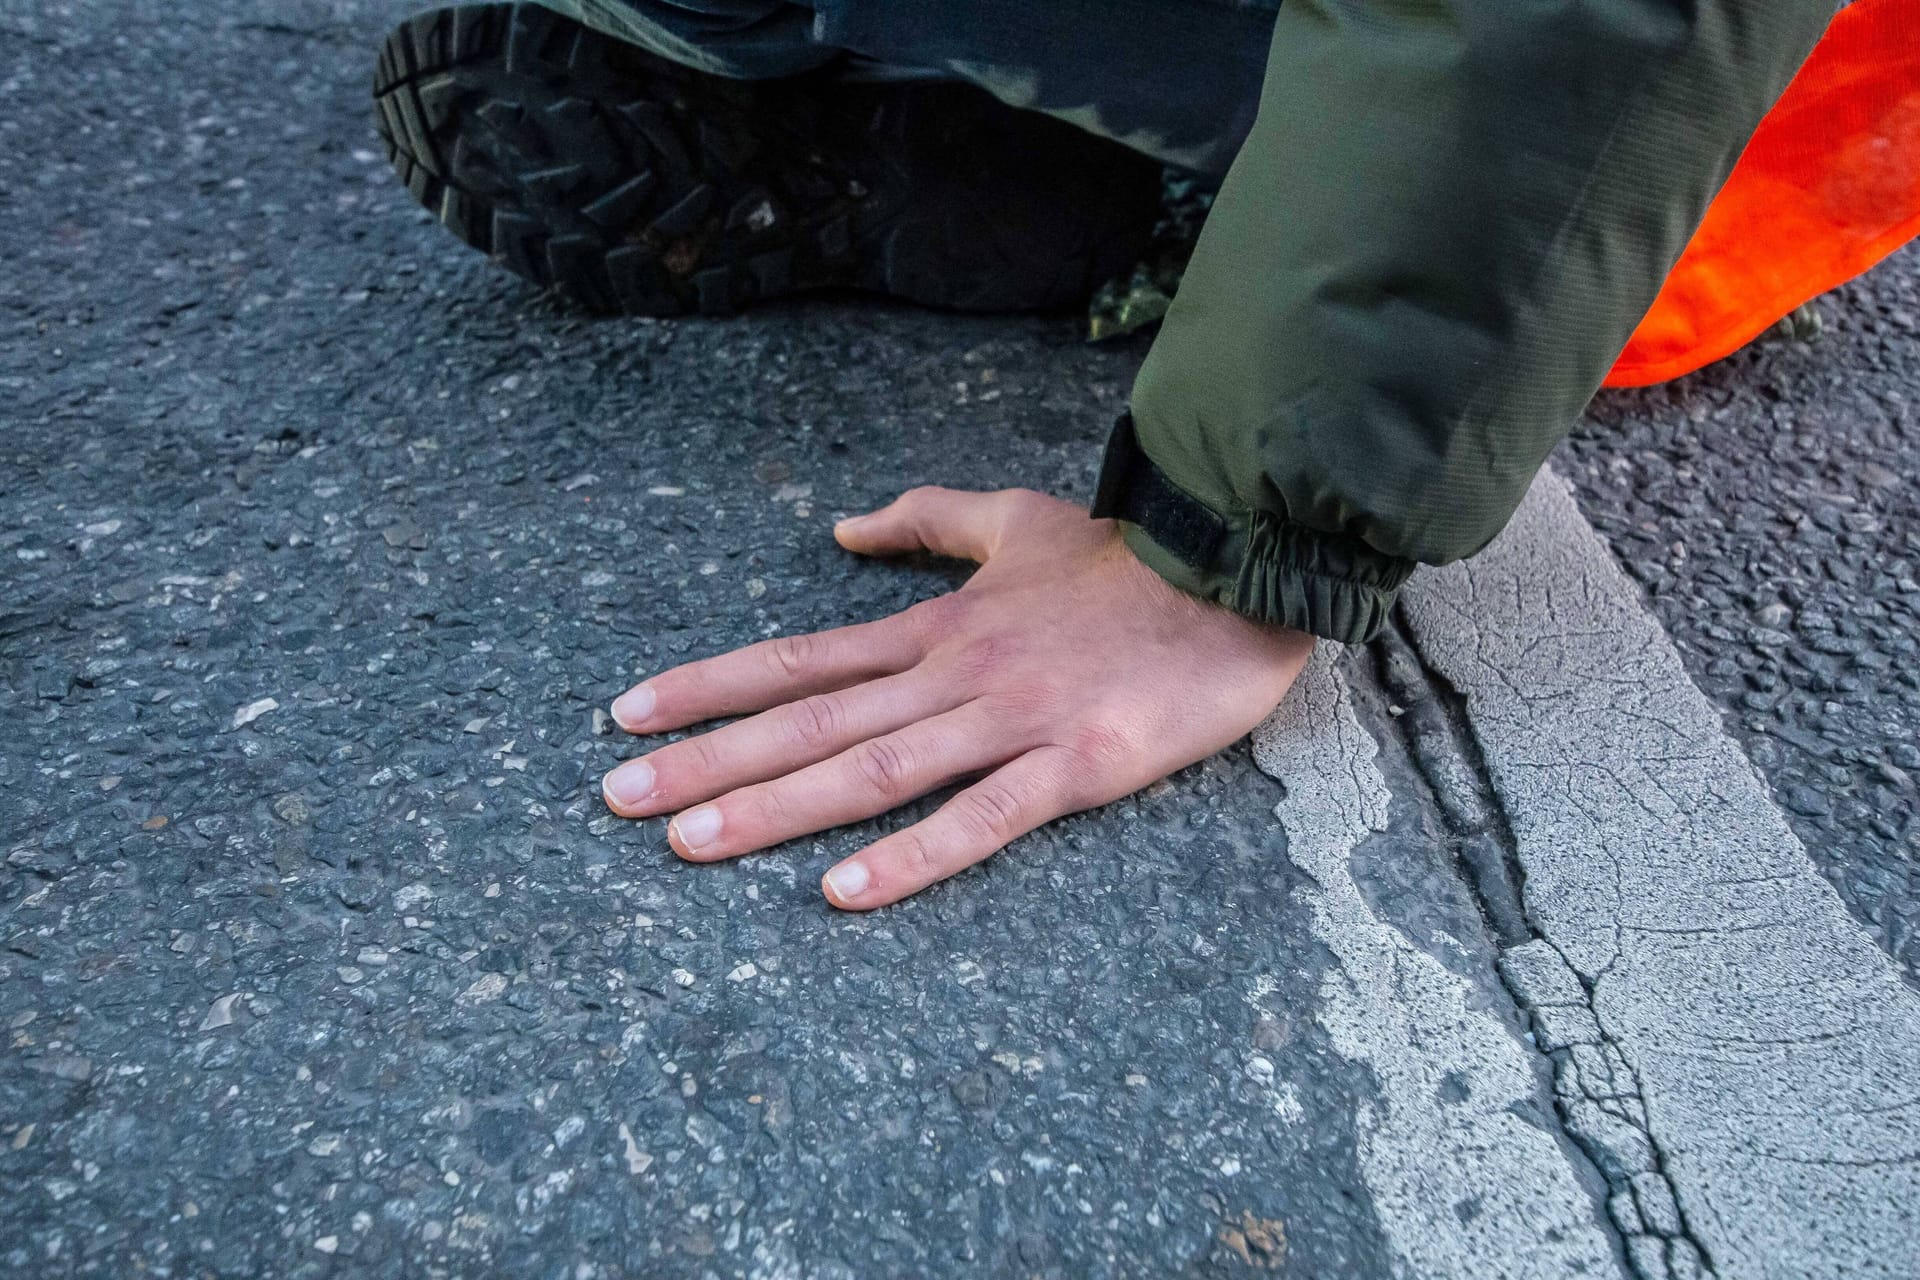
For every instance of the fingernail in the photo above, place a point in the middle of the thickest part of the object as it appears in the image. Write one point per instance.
(697, 828)
(630, 784)
(632, 708)
(848, 881)
(850, 521)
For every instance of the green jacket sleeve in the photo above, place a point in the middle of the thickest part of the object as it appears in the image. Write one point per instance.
(1445, 224)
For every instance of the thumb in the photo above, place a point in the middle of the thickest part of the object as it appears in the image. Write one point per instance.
(947, 522)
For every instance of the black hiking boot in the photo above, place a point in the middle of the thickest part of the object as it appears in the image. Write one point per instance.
(632, 184)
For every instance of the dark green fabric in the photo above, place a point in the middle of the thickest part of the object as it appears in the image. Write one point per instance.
(1445, 224)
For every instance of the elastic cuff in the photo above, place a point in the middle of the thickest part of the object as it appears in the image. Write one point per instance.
(1256, 563)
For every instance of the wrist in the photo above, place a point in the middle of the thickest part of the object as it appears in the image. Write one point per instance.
(1257, 563)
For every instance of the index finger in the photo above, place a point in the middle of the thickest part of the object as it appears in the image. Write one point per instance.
(768, 674)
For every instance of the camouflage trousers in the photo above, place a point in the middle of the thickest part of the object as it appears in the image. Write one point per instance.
(1175, 79)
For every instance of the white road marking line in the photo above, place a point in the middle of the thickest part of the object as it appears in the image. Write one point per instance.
(1464, 1186)
(1754, 1048)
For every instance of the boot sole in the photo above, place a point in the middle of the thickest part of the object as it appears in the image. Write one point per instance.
(634, 185)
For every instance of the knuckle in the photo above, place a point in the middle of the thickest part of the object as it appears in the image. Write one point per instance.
(791, 656)
(885, 765)
(1100, 744)
(815, 722)
(913, 506)
(934, 619)
(990, 811)
(699, 754)
(766, 808)
(1073, 778)
(982, 658)
(916, 857)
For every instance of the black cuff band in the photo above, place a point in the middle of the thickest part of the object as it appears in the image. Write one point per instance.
(1133, 489)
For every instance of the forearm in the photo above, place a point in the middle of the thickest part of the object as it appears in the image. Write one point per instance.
(1444, 226)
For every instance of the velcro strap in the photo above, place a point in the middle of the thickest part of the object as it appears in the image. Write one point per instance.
(1133, 489)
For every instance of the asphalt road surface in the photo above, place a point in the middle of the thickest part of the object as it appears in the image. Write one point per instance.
(324, 539)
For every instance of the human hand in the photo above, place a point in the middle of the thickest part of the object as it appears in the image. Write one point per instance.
(1064, 671)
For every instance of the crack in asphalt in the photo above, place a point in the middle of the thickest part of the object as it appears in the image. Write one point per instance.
(1597, 1094)
(1469, 1177)
(1756, 1031)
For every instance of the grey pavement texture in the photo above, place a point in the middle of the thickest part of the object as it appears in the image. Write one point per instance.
(362, 980)
(323, 541)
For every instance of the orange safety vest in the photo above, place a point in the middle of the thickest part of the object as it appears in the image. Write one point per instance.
(1828, 186)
